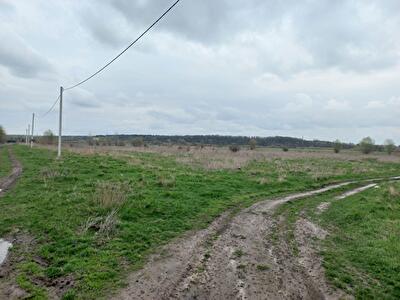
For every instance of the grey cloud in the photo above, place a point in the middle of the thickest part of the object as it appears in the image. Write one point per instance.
(343, 34)
(19, 58)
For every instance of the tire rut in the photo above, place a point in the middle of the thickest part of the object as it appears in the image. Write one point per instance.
(8, 182)
(238, 257)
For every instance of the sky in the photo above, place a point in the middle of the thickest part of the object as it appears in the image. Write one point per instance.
(317, 69)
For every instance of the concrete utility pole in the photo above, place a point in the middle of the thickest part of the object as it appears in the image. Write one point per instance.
(33, 128)
(60, 122)
(28, 134)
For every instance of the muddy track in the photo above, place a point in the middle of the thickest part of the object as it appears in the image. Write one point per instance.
(235, 258)
(241, 257)
(7, 182)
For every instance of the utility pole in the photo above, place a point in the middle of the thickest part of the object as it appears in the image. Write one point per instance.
(33, 128)
(28, 134)
(60, 122)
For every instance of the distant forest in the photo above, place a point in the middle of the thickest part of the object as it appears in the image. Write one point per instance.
(218, 140)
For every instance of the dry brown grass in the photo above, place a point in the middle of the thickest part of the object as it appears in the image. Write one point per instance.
(215, 158)
(393, 192)
(103, 226)
(111, 194)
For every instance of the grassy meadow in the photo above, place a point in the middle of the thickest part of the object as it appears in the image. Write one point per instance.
(95, 215)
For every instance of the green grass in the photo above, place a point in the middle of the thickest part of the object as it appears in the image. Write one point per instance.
(362, 254)
(54, 199)
(5, 163)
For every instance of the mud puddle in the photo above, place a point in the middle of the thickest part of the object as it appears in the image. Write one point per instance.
(4, 247)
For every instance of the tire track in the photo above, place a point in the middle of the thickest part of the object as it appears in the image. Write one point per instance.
(7, 182)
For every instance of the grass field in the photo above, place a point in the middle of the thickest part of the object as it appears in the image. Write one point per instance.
(5, 163)
(96, 216)
(361, 252)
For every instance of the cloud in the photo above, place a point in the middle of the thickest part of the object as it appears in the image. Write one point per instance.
(337, 105)
(322, 69)
(20, 58)
(282, 37)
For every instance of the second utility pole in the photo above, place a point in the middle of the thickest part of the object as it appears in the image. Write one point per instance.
(60, 122)
(33, 127)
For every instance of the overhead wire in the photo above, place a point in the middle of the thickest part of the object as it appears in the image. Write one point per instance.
(51, 108)
(123, 51)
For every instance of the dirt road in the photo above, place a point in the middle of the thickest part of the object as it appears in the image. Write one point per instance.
(7, 182)
(237, 258)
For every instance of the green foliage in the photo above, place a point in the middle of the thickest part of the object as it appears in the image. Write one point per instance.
(367, 145)
(285, 149)
(3, 135)
(390, 147)
(362, 250)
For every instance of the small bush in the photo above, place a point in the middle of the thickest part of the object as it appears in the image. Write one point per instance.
(367, 145)
(252, 144)
(137, 142)
(234, 148)
(337, 146)
(3, 135)
(390, 147)
(285, 149)
(48, 138)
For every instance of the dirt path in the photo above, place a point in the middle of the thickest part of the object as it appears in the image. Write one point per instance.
(235, 258)
(7, 182)
(242, 257)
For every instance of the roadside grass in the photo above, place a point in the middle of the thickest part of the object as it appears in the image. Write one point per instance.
(361, 254)
(97, 217)
(5, 162)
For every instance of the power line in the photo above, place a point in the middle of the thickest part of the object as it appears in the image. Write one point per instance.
(123, 51)
(51, 108)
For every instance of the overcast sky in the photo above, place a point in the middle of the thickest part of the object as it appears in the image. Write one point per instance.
(320, 69)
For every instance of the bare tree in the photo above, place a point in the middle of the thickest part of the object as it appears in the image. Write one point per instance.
(389, 146)
(252, 144)
(337, 146)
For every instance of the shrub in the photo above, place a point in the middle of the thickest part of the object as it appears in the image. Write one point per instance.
(337, 146)
(389, 146)
(48, 138)
(285, 149)
(367, 145)
(234, 148)
(252, 144)
(137, 142)
(2, 135)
